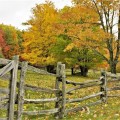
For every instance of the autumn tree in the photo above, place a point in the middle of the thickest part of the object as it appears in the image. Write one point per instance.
(83, 32)
(13, 40)
(40, 35)
(80, 58)
(109, 19)
(3, 46)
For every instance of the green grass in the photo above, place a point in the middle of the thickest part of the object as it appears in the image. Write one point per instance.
(110, 111)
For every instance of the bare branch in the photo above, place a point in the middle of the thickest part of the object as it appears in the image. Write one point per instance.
(100, 15)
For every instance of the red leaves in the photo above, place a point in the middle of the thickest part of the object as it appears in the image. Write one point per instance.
(4, 47)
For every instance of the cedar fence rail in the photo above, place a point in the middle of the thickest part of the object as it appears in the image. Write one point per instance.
(60, 98)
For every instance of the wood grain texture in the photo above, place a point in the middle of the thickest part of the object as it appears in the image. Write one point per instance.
(4, 61)
(38, 101)
(40, 89)
(13, 88)
(6, 68)
(21, 90)
(84, 98)
(42, 112)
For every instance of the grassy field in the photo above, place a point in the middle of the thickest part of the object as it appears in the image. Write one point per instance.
(109, 111)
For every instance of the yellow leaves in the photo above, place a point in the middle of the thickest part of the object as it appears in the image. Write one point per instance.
(24, 107)
(78, 14)
(50, 60)
(117, 115)
(41, 35)
(81, 25)
(69, 47)
(88, 110)
(95, 115)
(34, 55)
(106, 105)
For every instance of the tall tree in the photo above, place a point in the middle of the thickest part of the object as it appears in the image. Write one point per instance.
(83, 33)
(40, 36)
(108, 12)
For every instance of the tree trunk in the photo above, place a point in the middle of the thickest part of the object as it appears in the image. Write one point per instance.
(113, 64)
(112, 67)
(84, 70)
(51, 69)
(72, 71)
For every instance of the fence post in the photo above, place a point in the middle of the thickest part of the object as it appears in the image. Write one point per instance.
(21, 90)
(103, 87)
(63, 91)
(13, 88)
(57, 86)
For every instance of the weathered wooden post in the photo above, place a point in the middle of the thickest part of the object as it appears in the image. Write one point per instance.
(63, 91)
(57, 86)
(13, 88)
(103, 87)
(21, 90)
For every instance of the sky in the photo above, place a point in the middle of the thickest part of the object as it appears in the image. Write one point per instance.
(15, 12)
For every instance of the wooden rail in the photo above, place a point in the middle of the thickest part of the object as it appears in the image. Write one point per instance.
(5, 77)
(3, 118)
(4, 61)
(113, 95)
(40, 89)
(112, 75)
(2, 98)
(4, 106)
(114, 88)
(6, 68)
(84, 98)
(81, 83)
(4, 90)
(37, 70)
(38, 101)
(42, 112)
(113, 80)
(84, 86)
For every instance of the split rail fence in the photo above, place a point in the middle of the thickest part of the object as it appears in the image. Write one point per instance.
(102, 96)
(60, 91)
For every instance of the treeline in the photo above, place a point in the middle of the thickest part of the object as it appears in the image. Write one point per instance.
(80, 36)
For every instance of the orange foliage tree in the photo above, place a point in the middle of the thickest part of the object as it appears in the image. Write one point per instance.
(108, 12)
(12, 41)
(80, 24)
